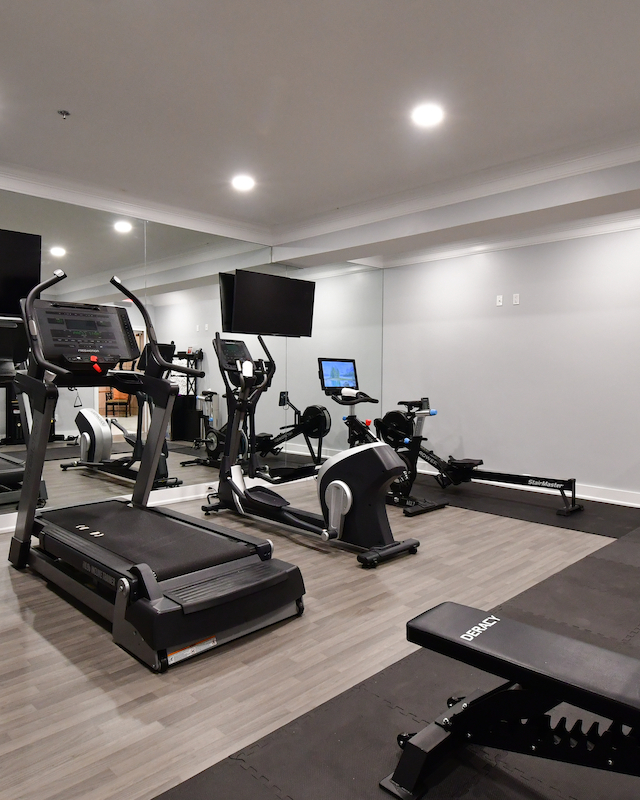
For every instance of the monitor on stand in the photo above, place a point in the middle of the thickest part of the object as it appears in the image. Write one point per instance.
(337, 374)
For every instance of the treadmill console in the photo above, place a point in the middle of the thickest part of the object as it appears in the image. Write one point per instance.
(82, 337)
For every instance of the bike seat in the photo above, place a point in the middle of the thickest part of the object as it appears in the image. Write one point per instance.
(465, 463)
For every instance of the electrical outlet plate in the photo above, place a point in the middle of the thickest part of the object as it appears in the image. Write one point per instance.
(516, 299)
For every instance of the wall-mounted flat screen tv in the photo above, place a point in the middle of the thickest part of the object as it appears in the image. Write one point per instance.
(252, 302)
(19, 268)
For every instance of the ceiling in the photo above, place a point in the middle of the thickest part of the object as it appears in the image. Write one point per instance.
(168, 99)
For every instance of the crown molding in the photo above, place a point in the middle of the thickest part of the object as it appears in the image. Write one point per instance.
(499, 180)
(54, 187)
(197, 268)
(617, 223)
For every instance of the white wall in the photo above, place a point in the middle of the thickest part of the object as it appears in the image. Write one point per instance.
(548, 387)
(347, 323)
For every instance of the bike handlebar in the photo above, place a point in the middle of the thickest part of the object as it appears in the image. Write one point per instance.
(351, 397)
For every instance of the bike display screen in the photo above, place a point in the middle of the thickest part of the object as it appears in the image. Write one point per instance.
(337, 373)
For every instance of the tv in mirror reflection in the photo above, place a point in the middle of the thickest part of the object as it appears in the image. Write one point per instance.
(252, 302)
(19, 268)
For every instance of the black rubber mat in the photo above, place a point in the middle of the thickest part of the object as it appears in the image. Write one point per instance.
(345, 746)
(604, 519)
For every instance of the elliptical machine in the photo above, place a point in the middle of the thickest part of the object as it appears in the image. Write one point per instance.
(351, 485)
(96, 435)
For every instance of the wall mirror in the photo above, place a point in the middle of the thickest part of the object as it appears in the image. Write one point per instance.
(175, 271)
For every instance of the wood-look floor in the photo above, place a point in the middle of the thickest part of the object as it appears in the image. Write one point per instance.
(80, 718)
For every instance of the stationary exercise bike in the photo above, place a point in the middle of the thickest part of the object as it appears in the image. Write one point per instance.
(351, 485)
(402, 432)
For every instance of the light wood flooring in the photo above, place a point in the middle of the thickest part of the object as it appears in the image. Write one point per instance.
(80, 718)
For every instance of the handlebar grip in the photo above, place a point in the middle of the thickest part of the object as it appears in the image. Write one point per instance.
(153, 341)
(32, 328)
(197, 373)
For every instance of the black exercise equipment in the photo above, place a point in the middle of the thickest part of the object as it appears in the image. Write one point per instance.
(541, 670)
(312, 423)
(14, 350)
(402, 430)
(96, 434)
(455, 471)
(170, 586)
(339, 380)
(351, 485)
(211, 437)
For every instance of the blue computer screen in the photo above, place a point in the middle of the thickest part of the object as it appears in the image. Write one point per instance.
(337, 373)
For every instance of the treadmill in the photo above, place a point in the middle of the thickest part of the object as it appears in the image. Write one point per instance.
(170, 585)
(14, 349)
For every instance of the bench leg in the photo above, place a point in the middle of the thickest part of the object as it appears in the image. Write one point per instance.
(512, 718)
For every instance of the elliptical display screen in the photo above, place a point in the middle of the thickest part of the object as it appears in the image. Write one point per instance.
(231, 352)
(337, 373)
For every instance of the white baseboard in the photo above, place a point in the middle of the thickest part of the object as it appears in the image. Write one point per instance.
(584, 491)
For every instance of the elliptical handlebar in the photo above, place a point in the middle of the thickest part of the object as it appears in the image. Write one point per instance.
(32, 326)
(153, 341)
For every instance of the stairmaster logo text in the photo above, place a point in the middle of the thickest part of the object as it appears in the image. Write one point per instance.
(481, 627)
(544, 484)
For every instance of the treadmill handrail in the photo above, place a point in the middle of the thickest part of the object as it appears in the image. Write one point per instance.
(32, 326)
(153, 341)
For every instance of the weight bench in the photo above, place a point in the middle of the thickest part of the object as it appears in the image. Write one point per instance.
(541, 670)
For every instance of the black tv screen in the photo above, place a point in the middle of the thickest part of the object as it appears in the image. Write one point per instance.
(252, 302)
(19, 268)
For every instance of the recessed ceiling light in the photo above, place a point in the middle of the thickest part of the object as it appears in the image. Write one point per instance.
(243, 183)
(122, 226)
(58, 252)
(427, 115)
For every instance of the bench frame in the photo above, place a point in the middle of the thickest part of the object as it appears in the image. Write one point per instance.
(515, 716)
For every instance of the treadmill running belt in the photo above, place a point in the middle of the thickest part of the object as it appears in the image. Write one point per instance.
(140, 535)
